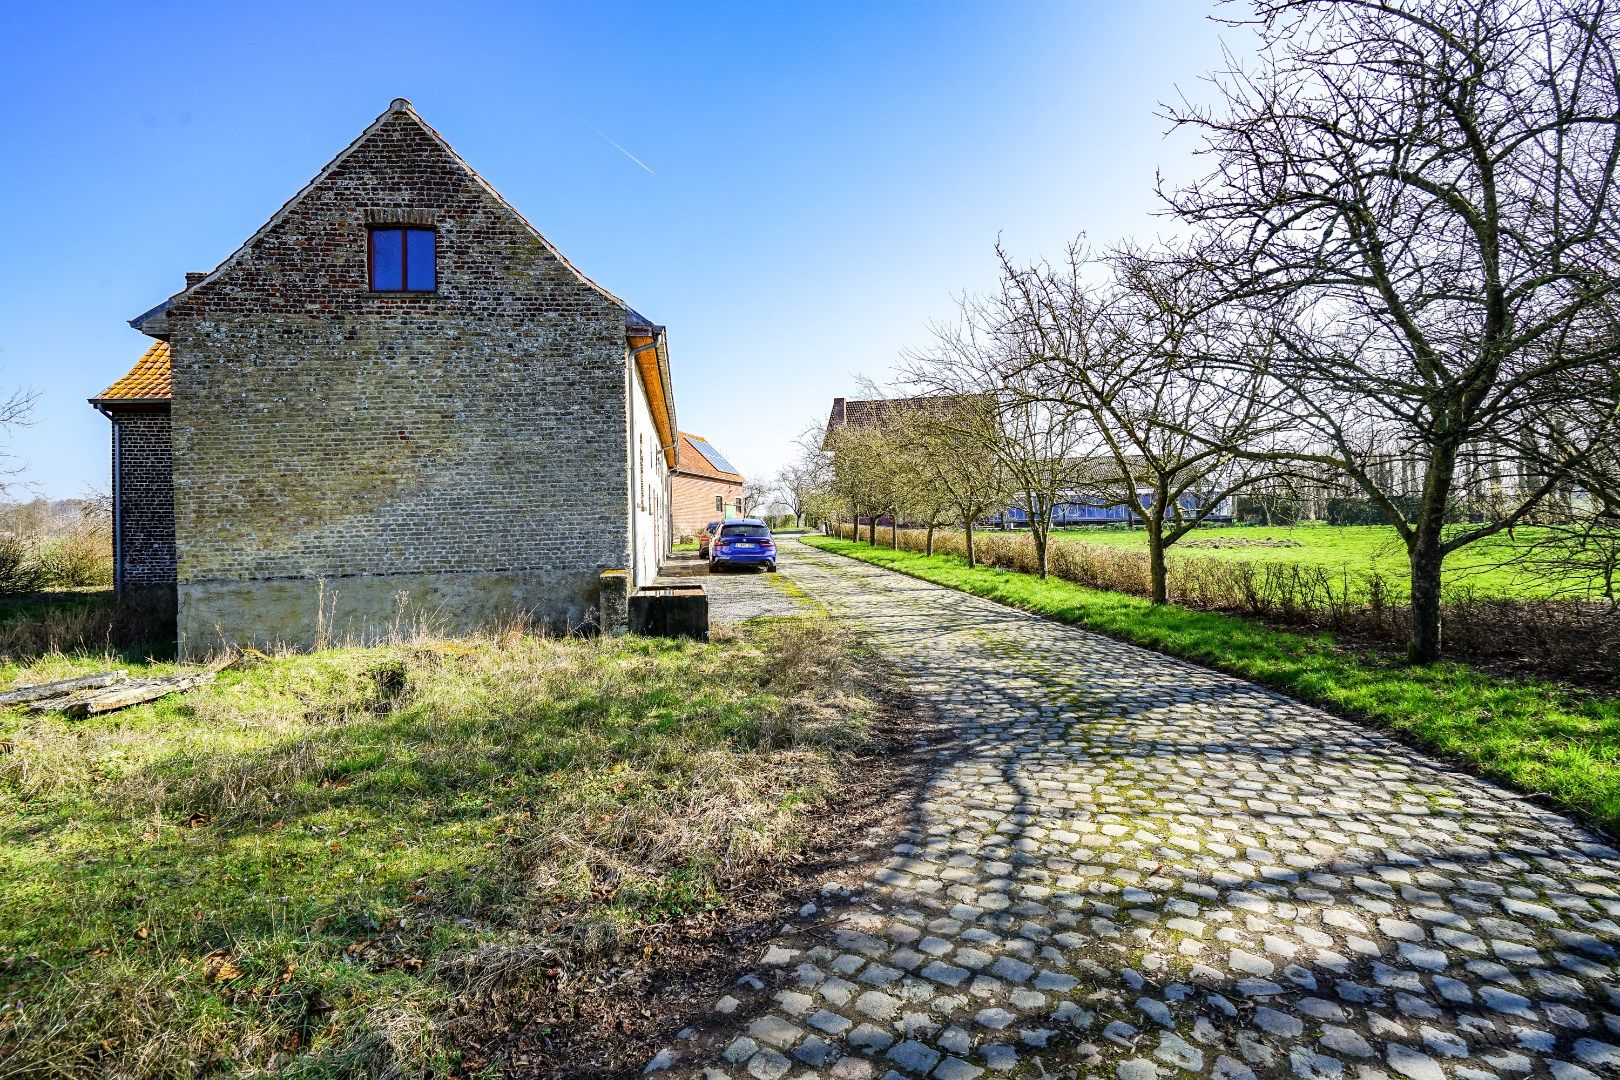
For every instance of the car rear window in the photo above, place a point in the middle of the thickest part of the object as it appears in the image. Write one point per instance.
(758, 531)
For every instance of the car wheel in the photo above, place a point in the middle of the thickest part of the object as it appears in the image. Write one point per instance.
(770, 568)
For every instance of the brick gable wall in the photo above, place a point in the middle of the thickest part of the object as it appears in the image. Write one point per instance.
(341, 455)
(692, 502)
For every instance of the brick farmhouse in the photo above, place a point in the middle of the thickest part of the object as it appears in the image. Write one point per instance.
(395, 404)
(704, 487)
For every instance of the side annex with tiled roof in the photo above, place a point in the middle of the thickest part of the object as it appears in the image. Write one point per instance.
(143, 487)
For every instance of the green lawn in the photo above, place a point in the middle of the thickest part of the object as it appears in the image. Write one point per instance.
(1538, 737)
(1360, 549)
(297, 869)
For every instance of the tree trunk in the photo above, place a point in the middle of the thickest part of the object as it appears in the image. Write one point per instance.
(1426, 567)
(971, 558)
(871, 530)
(1040, 531)
(1158, 576)
(894, 531)
(930, 540)
(1427, 557)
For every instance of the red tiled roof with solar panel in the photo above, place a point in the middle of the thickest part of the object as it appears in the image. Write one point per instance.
(696, 456)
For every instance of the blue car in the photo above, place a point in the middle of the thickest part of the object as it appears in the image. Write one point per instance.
(743, 542)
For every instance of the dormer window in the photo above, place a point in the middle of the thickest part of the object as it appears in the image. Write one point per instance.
(402, 259)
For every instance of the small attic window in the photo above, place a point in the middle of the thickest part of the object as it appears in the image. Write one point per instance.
(402, 259)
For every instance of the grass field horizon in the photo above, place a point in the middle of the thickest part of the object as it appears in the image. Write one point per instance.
(1484, 566)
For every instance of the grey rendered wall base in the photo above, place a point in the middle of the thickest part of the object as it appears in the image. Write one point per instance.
(307, 613)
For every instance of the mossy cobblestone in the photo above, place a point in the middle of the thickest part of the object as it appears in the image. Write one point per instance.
(1131, 866)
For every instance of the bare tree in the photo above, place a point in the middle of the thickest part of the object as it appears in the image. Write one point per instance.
(866, 472)
(1425, 190)
(1038, 447)
(798, 482)
(1144, 355)
(1578, 558)
(16, 410)
(921, 500)
(1578, 555)
(959, 465)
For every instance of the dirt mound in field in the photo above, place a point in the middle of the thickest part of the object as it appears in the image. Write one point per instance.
(1239, 542)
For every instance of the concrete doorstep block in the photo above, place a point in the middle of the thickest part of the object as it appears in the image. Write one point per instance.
(670, 611)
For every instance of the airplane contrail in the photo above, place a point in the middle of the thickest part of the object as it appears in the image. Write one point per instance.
(615, 145)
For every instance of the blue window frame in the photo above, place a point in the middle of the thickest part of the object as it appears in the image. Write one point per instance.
(402, 259)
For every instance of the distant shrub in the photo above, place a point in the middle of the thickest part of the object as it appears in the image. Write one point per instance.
(79, 559)
(1268, 510)
(1348, 511)
(61, 623)
(19, 568)
(65, 544)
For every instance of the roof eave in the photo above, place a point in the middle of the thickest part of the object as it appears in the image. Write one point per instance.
(724, 478)
(107, 406)
(153, 322)
(655, 340)
(669, 398)
(637, 323)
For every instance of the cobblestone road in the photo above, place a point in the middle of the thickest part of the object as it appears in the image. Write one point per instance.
(1136, 868)
(736, 595)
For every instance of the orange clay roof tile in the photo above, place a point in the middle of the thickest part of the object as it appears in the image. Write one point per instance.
(148, 380)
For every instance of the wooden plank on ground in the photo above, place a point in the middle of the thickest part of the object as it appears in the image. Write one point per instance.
(133, 694)
(123, 697)
(22, 695)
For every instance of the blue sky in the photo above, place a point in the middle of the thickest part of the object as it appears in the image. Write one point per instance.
(824, 177)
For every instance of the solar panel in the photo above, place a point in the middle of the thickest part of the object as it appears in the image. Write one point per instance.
(715, 457)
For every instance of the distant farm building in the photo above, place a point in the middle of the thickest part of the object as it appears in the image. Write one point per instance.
(1080, 508)
(704, 487)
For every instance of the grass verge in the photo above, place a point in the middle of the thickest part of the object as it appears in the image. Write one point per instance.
(1541, 738)
(333, 863)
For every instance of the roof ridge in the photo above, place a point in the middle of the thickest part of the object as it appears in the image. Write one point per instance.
(404, 107)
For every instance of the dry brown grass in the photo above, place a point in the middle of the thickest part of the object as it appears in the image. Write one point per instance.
(57, 623)
(313, 866)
